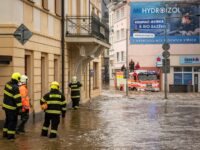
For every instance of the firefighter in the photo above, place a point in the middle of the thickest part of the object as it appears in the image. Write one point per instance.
(75, 92)
(12, 105)
(53, 103)
(25, 103)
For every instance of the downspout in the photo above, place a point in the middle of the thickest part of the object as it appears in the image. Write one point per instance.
(63, 43)
(90, 24)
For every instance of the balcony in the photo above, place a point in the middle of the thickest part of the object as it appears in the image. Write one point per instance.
(86, 27)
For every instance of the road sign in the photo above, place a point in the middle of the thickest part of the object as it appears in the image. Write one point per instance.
(166, 54)
(22, 34)
(166, 66)
(166, 46)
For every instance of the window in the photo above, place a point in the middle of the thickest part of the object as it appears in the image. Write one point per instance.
(183, 76)
(122, 12)
(95, 77)
(122, 33)
(117, 56)
(45, 4)
(117, 15)
(196, 69)
(58, 7)
(122, 56)
(118, 35)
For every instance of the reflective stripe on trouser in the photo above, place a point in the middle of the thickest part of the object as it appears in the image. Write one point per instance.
(54, 119)
(10, 122)
(5, 129)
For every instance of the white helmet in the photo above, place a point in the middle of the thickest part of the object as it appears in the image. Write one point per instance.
(74, 79)
(24, 79)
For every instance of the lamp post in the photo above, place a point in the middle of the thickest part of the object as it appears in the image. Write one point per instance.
(127, 69)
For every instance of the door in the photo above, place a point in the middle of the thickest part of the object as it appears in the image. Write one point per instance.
(196, 82)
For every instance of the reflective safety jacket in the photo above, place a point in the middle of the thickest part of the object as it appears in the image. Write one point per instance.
(12, 97)
(25, 98)
(75, 89)
(55, 101)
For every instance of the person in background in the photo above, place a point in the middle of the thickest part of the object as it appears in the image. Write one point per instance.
(12, 106)
(137, 66)
(132, 65)
(25, 104)
(75, 92)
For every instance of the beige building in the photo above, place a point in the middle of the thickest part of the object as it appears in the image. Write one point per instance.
(41, 56)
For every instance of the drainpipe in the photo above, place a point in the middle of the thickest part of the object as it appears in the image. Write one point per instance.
(89, 62)
(63, 43)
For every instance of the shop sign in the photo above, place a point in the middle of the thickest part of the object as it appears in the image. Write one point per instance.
(159, 62)
(189, 60)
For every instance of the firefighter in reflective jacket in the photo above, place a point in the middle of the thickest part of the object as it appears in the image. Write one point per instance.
(12, 105)
(75, 92)
(25, 103)
(53, 103)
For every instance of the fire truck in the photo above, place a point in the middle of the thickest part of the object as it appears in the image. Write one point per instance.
(139, 80)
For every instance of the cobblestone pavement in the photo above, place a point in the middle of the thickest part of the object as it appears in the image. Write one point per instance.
(144, 121)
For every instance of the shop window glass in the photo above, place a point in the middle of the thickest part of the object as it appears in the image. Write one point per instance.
(187, 69)
(177, 69)
(178, 78)
(196, 69)
(187, 78)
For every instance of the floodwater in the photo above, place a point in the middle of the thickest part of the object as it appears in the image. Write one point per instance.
(112, 121)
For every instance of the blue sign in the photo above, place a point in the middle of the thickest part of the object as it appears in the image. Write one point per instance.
(157, 22)
(184, 60)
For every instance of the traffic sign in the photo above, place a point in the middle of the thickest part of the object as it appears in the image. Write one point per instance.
(166, 54)
(22, 34)
(166, 66)
(166, 46)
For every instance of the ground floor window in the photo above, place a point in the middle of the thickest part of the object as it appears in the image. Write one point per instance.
(183, 75)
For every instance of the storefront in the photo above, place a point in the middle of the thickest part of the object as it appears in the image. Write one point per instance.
(188, 72)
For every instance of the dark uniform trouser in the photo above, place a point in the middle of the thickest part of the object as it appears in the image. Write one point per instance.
(75, 102)
(54, 119)
(10, 124)
(24, 119)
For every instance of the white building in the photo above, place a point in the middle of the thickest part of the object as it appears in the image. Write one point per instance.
(118, 25)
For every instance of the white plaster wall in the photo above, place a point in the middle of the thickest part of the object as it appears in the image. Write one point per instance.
(11, 12)
(38, 2)
(36, 19)
(51, 6)
(74, 8)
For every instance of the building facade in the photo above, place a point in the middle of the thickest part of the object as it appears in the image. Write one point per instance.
(118, 25)
(41, 56)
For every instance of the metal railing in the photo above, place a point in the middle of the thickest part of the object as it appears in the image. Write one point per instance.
(85, 26)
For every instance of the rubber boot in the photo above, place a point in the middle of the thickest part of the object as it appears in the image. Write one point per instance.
(44, 133)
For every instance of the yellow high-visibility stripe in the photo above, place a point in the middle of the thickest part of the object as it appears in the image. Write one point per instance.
(75, 96)
(11, 132)
(16, 96)
(7, 93)
(9, 107)
(43, 100)
(64, 108)
(5, 129)
(9, 87)
(75, 89)
(54, 102)
(53, 131)
(53, 111)
(55, 96)
(44, 128)
(74, 85)
(19, 104)
(64, 102)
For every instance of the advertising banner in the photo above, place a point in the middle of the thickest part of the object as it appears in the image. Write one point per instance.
(158, 22)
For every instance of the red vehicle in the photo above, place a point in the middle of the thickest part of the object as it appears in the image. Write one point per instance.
(144, 80)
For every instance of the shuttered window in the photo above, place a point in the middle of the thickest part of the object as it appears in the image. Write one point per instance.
(45, 4)
(58, 7)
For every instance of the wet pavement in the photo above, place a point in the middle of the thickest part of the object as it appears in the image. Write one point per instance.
(144, 121)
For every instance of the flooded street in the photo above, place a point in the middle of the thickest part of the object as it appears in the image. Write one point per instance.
(144, 121)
